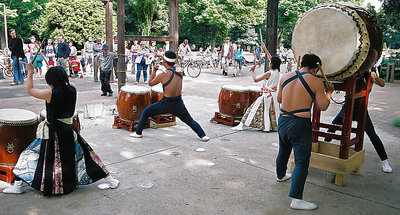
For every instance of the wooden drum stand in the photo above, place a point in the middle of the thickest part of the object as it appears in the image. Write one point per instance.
(341, 159)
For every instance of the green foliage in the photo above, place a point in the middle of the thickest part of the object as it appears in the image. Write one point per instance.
(22, 13)
(150, 15)
(216, 17)
(75, 19)
(389, 18)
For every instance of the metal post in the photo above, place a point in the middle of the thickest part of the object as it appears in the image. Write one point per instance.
(121, 44)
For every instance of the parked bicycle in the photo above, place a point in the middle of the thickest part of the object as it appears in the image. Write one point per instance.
(192, 67)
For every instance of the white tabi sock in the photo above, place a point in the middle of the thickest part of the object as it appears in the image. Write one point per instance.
(299, 204)
(386, 167)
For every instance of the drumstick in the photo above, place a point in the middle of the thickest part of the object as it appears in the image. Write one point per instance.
(322, 72)
(298, 63)
(261, 36)
(44, 57)
(41, 46)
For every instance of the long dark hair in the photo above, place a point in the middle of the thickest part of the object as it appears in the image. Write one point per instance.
(57, 76)
(276, 63)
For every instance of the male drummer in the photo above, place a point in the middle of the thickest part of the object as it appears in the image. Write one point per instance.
(297, 91)
(172, 102)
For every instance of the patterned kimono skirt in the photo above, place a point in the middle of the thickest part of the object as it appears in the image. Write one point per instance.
(60, 164)
(257, 110)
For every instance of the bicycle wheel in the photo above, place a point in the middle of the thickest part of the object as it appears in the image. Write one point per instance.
(24, 72)
(194, 69)
(9, 72)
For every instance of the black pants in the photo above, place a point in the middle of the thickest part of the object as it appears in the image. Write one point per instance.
(115, 63)
(369, 129)
(105, 81)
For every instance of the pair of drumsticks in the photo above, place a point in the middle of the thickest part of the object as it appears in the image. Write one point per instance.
(40, 48)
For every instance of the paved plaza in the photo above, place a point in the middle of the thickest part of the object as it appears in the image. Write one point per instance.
(162, 173)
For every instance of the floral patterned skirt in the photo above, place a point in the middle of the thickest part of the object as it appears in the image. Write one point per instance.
(258, 120)
(41, 166)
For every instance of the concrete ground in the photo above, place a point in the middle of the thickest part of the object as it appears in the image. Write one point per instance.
(234, 175)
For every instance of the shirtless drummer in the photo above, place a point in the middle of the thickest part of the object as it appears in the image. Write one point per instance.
(297, 91)
(171, 102)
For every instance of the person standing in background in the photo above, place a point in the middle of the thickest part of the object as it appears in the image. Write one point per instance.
(97, 47)
(17, 53)
(134, 51)
(63, 52)
(88, 48)
(50, 53)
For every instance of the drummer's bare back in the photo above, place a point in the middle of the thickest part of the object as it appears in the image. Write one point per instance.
(174, 88)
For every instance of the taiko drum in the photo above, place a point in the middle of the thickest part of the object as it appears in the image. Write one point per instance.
(132, 100)
(233, 100)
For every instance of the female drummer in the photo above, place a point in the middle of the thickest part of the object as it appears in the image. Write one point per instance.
(59, 160)
(262, 113)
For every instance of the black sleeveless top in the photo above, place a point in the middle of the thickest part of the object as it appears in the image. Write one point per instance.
(62, 103)
(303, 81)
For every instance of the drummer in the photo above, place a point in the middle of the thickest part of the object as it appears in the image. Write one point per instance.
(172, 101)
(262, 113)
(297, 91)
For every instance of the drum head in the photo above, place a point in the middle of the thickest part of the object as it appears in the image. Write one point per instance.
(157, 89)
(337, 35)
(234, 88)
(256, 89)
(135, 89)
(17, 117)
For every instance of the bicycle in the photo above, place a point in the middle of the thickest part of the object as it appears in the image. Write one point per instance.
(8, 71)
(191, 67)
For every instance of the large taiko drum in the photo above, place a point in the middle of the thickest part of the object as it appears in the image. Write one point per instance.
(75, 119)
(254, 93)
(132, 100)
(233, 100)
(157, 93)
(347, 38)
(17, 131)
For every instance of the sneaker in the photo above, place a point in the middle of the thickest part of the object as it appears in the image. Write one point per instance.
(110, 93)
(112, 182)
(104, 94)
(136, 82)
(13, 84)
(299, 204)
(386, 167)
(20, 83)
(205, 138)
(136, 135)
(146, 82)
(286, 177)
(15, 189)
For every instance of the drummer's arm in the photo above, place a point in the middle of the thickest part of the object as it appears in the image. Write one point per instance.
(266, 51)
(264, 76)
(154, 80)
(377, 80)
(279, 98)
(40, 94)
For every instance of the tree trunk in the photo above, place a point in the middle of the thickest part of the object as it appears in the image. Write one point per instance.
(272, 28)
(214, 36)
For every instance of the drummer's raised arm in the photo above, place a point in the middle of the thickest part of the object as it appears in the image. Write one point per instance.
(266, 51)
(40, 94)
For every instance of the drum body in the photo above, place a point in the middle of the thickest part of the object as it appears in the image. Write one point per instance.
(254, 93)
(156, 94)
(233, 100)
(132, 100)
(17, 132)
(347, 38)
(75, 119)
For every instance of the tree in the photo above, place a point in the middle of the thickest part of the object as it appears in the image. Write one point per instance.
(388, 17)
(219, 16)
(150, 14)
(75, 19)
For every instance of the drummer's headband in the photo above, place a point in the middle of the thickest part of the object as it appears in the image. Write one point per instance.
(169, 59)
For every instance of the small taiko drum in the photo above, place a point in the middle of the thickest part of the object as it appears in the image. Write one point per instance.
(132, 100)
(17, 131)
(157, 93)
(233, 100)
(75, 119)
(254, 93)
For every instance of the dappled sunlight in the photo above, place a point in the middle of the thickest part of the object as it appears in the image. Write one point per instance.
(127, 154)
(234, 185)
(33, 211)
(199, 163)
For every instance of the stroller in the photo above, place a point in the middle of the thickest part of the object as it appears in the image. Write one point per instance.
(75, 67)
